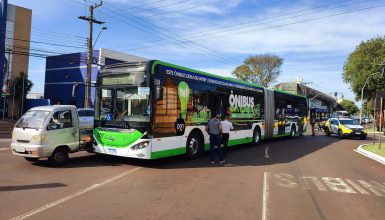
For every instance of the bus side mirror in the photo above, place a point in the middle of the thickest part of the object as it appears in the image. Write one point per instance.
(158, 93)
(74, 89)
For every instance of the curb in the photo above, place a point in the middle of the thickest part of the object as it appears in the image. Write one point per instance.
(369, 154)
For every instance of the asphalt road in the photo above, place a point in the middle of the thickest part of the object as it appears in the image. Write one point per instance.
(303, 178)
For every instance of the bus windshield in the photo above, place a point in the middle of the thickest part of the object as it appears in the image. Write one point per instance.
(127, 104)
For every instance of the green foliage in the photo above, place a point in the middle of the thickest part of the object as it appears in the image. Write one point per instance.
(363, 65)
(260, 69)
(18, 82)
(348, 106)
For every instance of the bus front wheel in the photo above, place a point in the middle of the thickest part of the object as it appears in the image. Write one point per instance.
(193, 146)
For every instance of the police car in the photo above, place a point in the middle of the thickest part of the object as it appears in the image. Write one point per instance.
(344, 127)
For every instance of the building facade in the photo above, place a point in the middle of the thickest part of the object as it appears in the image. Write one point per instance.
(64, 70)
(15, 35)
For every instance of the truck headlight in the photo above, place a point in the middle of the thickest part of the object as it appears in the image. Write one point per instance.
(139, 146)
(38, 139)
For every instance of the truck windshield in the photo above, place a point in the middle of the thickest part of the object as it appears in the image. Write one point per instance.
(32, 119)
(130, 104)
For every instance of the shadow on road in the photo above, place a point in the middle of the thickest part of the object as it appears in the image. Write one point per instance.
(34, 186)
(280, 151)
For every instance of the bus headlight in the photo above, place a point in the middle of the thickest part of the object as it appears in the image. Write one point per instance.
(139, 146)
(38, 139)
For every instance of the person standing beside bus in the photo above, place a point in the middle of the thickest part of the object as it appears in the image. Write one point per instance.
(312, 123)
(226, 127)
(214, 128)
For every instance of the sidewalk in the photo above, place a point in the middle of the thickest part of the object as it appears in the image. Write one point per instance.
(360, 149)
(6, 128)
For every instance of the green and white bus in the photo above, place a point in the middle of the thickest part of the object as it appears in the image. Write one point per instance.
(155, 109)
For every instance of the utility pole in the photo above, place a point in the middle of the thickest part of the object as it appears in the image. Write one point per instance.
(91, 20)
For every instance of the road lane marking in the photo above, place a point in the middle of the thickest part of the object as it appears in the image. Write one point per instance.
(5, 148)
(267, 152)
(334, 184)
(357, 187)
(315, 180)
(73, 195)
(337, 185)
(265, 195)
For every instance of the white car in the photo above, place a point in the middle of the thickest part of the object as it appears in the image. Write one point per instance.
(86, 117)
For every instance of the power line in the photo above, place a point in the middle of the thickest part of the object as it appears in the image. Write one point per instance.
(180, 43)
(40, 42)
(191, 36)
(278, 26)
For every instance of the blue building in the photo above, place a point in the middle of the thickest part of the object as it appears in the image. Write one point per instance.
(64, 70)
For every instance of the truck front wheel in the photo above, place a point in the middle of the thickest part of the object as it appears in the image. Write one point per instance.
(59, 157)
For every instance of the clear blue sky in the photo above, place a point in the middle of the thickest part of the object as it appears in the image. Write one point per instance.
(313, 37)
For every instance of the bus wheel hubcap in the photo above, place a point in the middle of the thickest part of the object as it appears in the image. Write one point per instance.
(193, 146)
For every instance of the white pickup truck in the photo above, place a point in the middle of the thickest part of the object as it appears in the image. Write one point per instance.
(51, 132)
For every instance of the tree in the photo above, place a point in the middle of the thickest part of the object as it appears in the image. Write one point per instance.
(348, 106)
(18, 83)
(363, 65)
(260, 69)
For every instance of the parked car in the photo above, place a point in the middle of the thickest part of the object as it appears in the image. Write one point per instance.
(344, 127)
(50, 132)
(86, 117)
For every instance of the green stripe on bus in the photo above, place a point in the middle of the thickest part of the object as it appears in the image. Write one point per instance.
(234, 142)
(168, 153)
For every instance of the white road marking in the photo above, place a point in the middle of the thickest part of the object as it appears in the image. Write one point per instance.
(316, 182)
(358, 187)
(5, 148)
(285, 180)
(334, 184)
(5, 139)
(73, 195)
(267, 152)
(375, 187)
(337, 184)
(265, 195)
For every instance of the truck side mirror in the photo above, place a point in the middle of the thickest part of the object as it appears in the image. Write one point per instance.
(74, 89)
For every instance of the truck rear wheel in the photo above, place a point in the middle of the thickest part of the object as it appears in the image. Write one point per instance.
(59, 157)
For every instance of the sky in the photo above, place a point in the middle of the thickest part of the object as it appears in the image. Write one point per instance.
(314, 38)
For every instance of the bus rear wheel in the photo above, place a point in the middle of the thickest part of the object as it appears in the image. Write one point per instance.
(256, 136)
(193, 146)
(293, 132)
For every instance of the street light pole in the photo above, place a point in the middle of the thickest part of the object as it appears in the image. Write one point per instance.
(362, 96)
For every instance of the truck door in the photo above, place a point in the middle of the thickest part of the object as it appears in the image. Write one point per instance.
(63, 129)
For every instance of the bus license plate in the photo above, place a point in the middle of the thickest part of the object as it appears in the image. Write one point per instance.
(111, 151)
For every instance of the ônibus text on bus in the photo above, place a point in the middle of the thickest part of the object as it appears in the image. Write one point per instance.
(154, 109)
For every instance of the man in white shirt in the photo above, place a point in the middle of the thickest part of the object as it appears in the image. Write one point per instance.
(226, 127)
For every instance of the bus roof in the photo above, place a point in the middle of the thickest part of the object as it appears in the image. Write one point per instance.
(156, 62)
(288, 93)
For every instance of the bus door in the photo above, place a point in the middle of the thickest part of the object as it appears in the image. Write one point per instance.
(219, 104)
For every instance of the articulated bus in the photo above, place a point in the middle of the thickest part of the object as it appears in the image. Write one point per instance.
(155, 109)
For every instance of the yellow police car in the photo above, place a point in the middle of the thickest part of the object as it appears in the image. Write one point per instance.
(344, 127)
